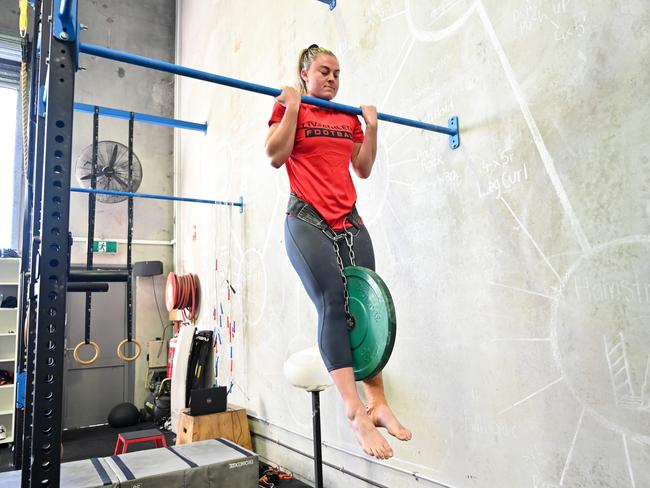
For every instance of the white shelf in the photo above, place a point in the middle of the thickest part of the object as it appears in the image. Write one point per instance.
(10, 281)
(8, 321)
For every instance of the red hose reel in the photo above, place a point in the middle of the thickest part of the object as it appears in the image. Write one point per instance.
(182, 293)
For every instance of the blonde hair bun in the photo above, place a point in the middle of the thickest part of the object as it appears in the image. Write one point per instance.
(305, 59)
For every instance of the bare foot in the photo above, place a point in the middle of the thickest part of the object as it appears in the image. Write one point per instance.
(370, 439)
(382, 416)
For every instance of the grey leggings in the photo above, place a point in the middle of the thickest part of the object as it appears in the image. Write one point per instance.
(313, 257)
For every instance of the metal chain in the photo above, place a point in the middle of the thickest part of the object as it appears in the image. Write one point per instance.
(349, 319)
(349, 240)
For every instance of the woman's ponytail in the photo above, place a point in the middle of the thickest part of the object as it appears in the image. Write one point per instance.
(305, 59)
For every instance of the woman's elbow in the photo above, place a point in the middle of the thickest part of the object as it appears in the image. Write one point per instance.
(362, 171)
(276, 163)
(276, 160)
(363, 174)
(273, 156)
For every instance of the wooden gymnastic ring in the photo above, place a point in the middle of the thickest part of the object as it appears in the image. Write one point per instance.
(126, 358)
(86, 362)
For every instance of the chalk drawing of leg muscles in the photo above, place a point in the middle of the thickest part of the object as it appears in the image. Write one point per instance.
(616, 353)
(645, 392)
(619, 371)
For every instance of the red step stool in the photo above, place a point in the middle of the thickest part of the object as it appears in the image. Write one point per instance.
(127, 438)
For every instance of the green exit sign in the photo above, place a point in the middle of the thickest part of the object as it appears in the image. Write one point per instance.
(105, 247)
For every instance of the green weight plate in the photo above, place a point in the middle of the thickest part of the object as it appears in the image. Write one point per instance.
(373, 336)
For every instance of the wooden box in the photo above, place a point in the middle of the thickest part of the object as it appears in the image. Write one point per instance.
(231, 424)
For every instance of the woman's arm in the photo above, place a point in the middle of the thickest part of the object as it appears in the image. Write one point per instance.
(364, 154)
(279, 141)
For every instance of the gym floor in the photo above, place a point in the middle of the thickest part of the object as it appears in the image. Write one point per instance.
(100, 442)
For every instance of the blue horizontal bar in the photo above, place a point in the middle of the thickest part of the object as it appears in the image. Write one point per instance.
(138, 117)
(176, 69)
(331, 3)
(153, 196)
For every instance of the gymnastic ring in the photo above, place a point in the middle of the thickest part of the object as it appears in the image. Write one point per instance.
(86, 362)
(126, 358)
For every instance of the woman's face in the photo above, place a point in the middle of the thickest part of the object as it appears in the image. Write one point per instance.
(322, 77)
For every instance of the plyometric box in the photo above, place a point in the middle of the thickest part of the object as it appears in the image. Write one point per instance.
(231, 424)
(214, 463)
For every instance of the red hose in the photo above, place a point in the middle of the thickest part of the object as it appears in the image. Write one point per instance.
(181, 293)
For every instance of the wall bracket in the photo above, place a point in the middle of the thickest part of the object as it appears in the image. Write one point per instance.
(454, 140)
(66, 24)
(331, 3)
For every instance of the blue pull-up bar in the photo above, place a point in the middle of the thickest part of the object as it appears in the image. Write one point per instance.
(138, 117)
(153, 196)
(331, 3)
(451, 130)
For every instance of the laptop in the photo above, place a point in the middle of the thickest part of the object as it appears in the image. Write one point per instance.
(204, 401)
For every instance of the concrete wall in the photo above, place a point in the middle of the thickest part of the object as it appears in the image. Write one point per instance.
(145, 28)
(9, 17)
(518, 263)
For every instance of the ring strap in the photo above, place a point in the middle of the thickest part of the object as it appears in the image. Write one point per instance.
(91, 221)
(129, 241)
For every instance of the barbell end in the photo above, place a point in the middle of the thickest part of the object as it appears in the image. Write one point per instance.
(454, 140)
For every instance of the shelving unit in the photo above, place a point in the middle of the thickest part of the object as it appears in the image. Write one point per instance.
(9, 286)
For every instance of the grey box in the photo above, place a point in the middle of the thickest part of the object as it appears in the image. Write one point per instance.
(215, 463)
(157, 354)
(88, 473)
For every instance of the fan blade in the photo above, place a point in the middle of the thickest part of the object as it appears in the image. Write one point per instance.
(122, 182)
(101, 160)
(87, 177)
(113, 157)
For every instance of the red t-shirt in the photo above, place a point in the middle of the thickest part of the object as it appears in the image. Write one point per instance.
(319, 166)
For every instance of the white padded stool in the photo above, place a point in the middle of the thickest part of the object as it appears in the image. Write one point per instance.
(305, 369)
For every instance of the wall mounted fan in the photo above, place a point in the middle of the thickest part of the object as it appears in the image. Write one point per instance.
(112, 172)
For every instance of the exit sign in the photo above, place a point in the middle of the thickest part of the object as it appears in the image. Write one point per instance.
(105, 247)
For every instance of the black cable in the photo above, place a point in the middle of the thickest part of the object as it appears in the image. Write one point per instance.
(155, 297)
(162, 323)
(162, 339)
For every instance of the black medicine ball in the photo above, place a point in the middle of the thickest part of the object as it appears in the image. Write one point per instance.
(123, 415)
